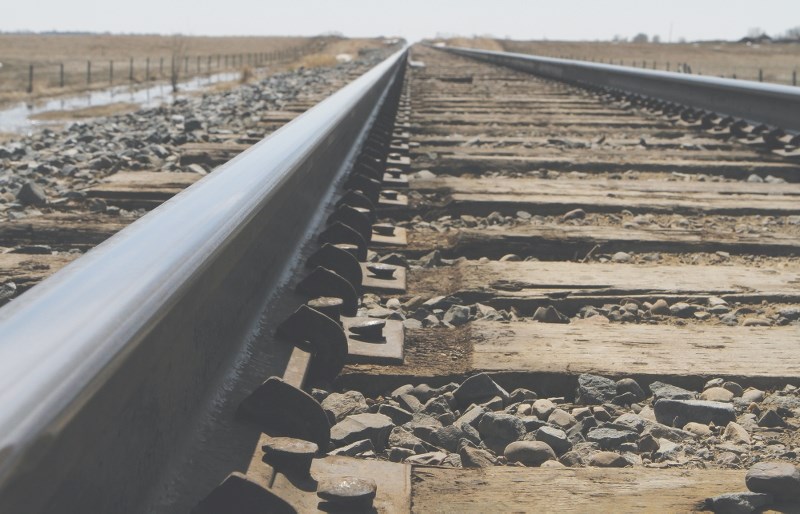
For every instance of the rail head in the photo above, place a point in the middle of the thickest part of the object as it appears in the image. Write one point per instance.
(63, 342)
(771, 104)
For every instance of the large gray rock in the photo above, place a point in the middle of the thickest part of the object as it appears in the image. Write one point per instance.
(611, 438)
(456, 315)
(738, 503)
(409, 402)
(780, 479)
(353, 449)
(499, 430)
(594, 389)
(542, 408)
(530, 453)
(31, 194)
(561, 419)
(450, 436)
(472, 416)
(699, 411)
(477, 389)
(632, 421)
(549, 314)
(375, 427)
(555, 438)
(661, 391)
(608, 460)
(398, 415)
(630, 386)
(340, 405)
(402, 438)
(476, 458)
(436, 406)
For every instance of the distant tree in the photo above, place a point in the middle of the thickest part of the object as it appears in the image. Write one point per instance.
(755, 32)
(640, 38)
(792, 33)
(656, 39)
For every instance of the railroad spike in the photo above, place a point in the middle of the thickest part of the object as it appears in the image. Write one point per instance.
(325, 337)
(775, 139)
(239, 494)
(281, 410)
(329, 306)
(324, 282)
(356, 218)
(340, 261)
(367, 170)
(338, 232)
(369, 186)
(356, 198)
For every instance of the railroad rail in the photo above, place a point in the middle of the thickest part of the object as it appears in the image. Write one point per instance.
(771, 104)
(499, 269)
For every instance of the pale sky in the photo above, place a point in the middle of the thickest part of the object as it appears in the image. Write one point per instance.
(413, 19)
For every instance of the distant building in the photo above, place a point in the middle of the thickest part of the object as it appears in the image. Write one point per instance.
(763, 38)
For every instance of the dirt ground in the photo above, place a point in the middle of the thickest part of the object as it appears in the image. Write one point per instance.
(777, 60)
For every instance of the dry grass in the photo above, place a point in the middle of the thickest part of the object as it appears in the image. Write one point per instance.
(87, 112)
(777, 61)
(48, 52)
(246, 75)
(317, 61)
(352, 47)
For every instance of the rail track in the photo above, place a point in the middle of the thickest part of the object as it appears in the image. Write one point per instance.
(463, 286)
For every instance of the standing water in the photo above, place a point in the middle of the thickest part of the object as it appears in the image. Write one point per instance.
(16, 119)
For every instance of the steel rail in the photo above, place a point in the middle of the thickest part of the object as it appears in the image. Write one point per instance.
(771, 104)
(101, 364)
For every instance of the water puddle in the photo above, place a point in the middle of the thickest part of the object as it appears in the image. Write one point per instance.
(17, 118)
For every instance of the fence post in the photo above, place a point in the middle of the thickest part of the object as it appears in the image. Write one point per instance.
(111, 72)
(186, 65)
(147, 70)
(130, 70)
(667, 65)
(30, 78)
(208, 65)
(161, 68)
(794, 77)
(198, 64)
(88, 73)
(61, 73)
(760, 75)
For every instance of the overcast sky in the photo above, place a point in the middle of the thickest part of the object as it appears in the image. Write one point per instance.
(413, 19)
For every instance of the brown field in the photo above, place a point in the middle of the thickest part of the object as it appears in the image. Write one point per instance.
(48, 52)
(777, 60)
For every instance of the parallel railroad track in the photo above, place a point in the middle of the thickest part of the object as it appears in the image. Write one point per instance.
(459, 281)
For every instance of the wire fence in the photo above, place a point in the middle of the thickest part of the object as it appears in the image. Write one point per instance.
(77, 74)
(770, 74)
